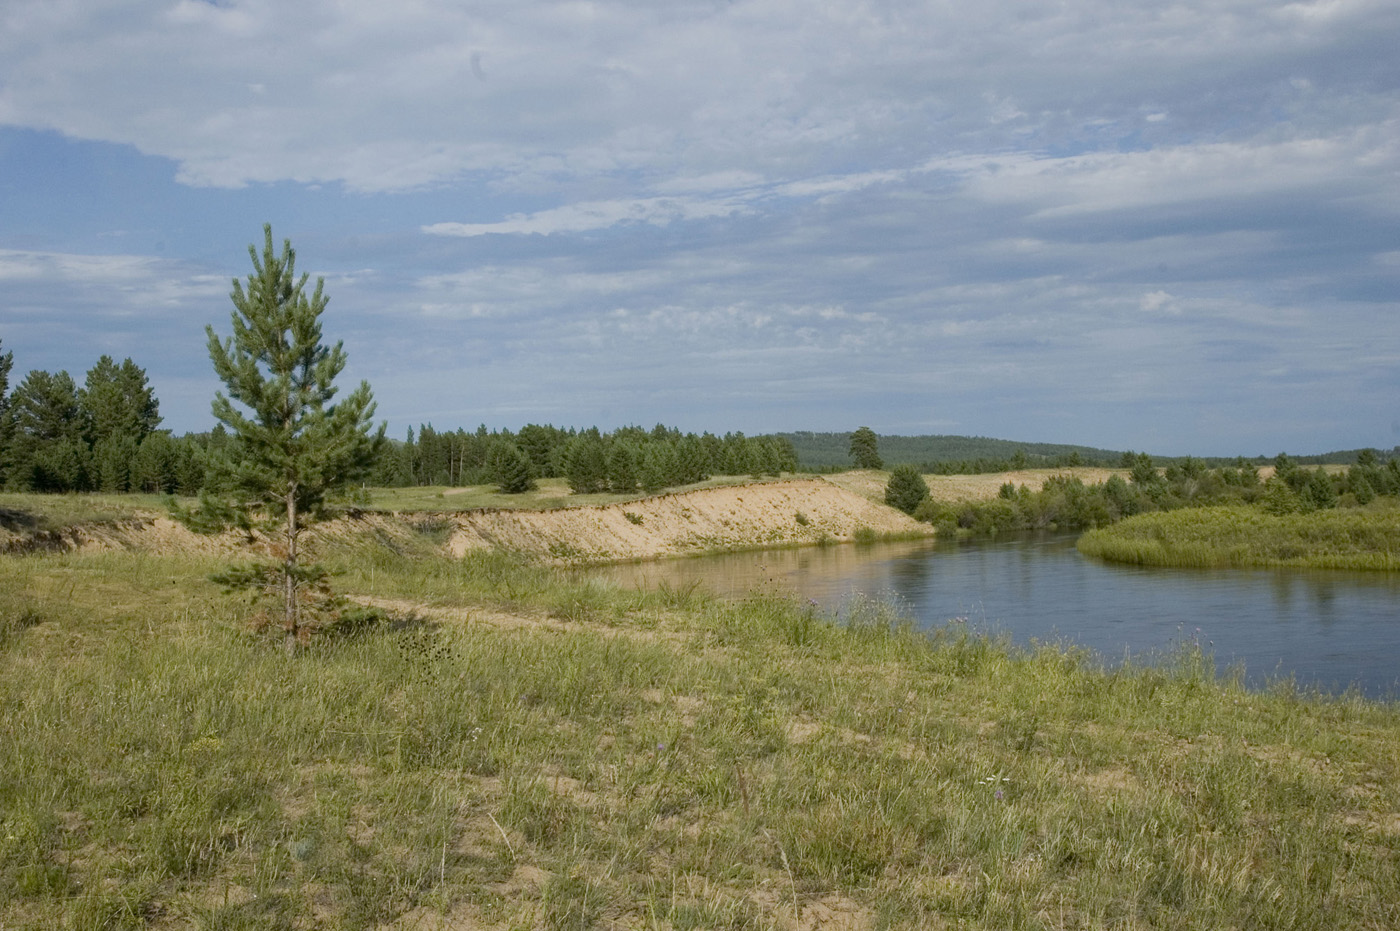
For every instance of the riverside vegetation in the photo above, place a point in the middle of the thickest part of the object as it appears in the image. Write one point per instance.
(507, 746)
(1239, 537)
(1191, 516)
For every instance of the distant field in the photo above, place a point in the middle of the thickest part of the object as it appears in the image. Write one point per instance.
(954, 488)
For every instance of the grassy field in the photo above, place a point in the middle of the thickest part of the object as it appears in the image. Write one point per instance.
(26, 512)
(1239, 537)
(517, 748)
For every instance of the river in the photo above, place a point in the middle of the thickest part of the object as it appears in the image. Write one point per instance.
(1329, 630)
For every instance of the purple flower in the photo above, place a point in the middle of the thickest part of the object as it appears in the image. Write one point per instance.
(998, 795)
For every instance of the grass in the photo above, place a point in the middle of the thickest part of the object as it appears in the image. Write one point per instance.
(29, 512)
(1365, 539)
(526, 749)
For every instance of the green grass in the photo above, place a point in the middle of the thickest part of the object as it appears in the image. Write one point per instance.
(1237, 537)
(526, 749)
(22, 512)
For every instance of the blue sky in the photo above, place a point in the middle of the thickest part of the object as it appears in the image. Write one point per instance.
(1163, 227)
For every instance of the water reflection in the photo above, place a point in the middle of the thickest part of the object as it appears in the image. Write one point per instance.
(1326, 629)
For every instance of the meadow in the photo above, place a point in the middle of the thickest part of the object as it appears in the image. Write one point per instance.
(503, 745)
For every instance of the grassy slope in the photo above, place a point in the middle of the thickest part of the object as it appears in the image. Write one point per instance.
(537, 752)
(28, 512)
(1237, 537)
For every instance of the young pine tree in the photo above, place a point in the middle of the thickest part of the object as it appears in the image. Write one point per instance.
(586, 464)
(906, 489)
(47, 450)
(290, 446)
(622, 468)
(510, 468)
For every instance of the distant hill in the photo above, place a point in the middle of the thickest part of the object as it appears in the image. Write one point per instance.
(832, 450)
(826, 450)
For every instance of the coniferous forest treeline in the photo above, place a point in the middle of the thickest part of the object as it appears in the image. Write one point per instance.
(980, 455)
(621, 461)
(104, 434)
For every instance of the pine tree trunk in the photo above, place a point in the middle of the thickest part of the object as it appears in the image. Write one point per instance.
(289, 581)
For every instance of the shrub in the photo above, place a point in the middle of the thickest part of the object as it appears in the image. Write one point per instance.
(906, 489)
(512, 469)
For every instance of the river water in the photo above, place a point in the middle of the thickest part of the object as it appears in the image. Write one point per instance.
(1329, 630)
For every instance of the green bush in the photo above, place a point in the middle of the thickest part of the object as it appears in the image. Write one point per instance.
(906, 489)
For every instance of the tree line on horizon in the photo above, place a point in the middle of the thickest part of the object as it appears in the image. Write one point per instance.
(591, 460)
(937, 454)
(104, 435)
(1066, 502)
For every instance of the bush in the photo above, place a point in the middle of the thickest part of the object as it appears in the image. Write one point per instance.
(512, 469)
(906, 489)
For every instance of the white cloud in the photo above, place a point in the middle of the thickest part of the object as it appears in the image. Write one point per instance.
(126, 281)
(1155, 302)
(390, 97)
(1177, 175)
(594, 215)
(973, 201)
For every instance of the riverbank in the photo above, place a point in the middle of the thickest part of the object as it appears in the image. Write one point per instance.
(728, 516)
(793, 512)
(1362, 539)
(511, 747)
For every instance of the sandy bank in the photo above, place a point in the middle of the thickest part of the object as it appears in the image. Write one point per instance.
(763, 514)
(145, 531)
(771, 514)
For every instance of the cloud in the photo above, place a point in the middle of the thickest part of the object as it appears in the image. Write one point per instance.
(1219, 172)
(595, 215)
(114, 284)
(424, 94)
(998, 214)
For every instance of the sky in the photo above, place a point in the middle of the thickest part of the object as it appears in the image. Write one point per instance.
(1171, 227)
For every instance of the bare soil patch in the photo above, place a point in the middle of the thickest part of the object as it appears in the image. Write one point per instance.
(803, 511)
(782, 513)
(143, 531)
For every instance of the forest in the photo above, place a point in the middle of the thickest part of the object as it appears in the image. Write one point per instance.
(104, 435)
